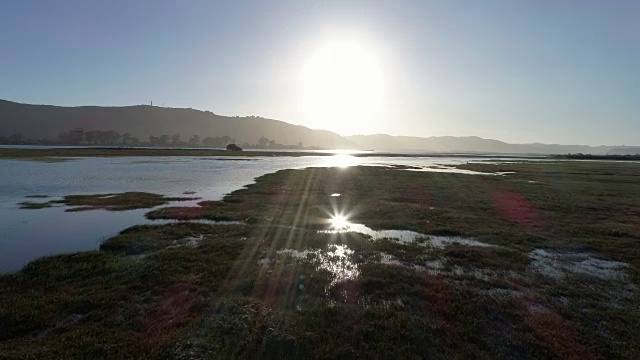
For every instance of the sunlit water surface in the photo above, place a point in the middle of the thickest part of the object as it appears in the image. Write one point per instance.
(29, 234)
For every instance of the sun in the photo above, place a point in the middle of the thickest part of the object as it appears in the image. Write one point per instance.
(342, 87)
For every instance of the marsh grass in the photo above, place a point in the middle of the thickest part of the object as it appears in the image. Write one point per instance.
(34, 205)
(111, 201)
(35, 157)
(240, 291)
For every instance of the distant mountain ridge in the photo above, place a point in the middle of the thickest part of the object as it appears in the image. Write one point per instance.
(477, 145)
(142, 121)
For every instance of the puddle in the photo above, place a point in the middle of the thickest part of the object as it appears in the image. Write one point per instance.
(388, 259)
(557, 265)
(451, 169)
(197, 221)
(438, 267)
(337, 261)
(435, 266)
(440, 242)
(369, 303)
(402, 236)
(190, 241)
(107, 196)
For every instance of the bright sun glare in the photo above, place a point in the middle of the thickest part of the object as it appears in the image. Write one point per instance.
(339, 222)
(342, 86)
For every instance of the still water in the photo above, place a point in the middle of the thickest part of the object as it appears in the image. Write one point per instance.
(29, 234)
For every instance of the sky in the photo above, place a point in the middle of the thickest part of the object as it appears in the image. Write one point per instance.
(519, 71)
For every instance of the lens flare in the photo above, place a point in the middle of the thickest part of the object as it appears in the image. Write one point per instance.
(339, 222)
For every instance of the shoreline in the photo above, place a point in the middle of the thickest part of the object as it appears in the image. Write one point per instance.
(116, 152)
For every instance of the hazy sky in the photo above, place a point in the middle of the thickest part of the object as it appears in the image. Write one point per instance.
(518, 71)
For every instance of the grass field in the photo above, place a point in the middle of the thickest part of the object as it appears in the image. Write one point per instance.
(541, 263)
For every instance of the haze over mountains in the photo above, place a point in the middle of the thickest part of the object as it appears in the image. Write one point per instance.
(477, 144)
(142, 121)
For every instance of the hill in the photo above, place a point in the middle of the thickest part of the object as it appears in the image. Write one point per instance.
(470, 144)
(142, 121)
(625, 150)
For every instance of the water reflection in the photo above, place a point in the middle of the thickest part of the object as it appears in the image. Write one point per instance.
(340, 225)
(336, 260)
(339, 222)
(342, 161)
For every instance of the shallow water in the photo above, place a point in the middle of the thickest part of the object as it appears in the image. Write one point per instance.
(28, 234)
(406, 236)
(336, 260)
(558, 264)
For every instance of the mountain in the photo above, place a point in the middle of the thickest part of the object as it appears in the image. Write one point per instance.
(625, 150)
(142, 121)
(470, 144)
(46, 122)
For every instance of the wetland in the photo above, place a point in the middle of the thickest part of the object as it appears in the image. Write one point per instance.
(318, 259)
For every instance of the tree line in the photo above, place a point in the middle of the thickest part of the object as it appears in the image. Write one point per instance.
(81, 137)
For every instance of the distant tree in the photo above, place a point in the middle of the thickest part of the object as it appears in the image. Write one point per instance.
(263, 141)
(134, 141)
(16, 138)
(163, 140)
(76, 136)
(209, 142)
(126, 139)
(154, 141)
(225, 140)
(72, 137)
(97, 137)
(110, 138)
(175, 140)
(194, 140)
(92, 137)
(217, 141)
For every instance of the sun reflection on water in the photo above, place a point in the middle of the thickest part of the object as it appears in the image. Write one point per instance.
(341, 161)
(339, 222)
(336, 260)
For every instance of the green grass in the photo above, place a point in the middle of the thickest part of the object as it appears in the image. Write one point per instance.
(191, 290)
